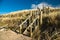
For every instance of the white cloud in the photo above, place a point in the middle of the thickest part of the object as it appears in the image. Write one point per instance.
(40, 5)
(34, 6)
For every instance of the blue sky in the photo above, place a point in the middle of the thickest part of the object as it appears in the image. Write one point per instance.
(7, 6)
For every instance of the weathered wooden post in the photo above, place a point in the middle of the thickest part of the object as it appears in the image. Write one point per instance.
(40, 21)
(41, 18)
(20, 31)
(31, 17)
(31, 32)
(31, 27)
(20, 28)
(48, 9)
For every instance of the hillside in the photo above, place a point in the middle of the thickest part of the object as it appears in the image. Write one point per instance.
(48, 29)
(14, 17)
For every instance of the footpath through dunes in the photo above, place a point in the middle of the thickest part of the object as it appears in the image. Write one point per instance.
(10, 35)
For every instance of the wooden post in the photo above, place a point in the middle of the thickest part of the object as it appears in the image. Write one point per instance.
(48, 9)
(41, 18)
(30, 31)
(38, 37)
(40, 22)
(30, 19)
(20, 31)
